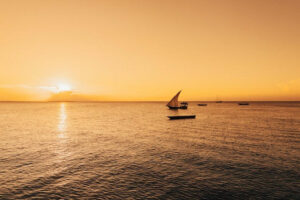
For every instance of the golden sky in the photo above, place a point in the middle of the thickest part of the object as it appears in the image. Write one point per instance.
(149, 49)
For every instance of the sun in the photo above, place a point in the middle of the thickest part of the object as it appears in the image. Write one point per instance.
(63, 87)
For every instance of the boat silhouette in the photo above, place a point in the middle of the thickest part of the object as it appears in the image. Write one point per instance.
(243, 103)
(182, 117)
(174, 104)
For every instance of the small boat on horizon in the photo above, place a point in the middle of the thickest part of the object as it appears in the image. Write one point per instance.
(182, 117)
(218, 100)
(202, 104)
(243, 103)
(174, 104)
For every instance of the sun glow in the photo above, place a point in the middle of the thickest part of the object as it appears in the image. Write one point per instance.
(63, 88)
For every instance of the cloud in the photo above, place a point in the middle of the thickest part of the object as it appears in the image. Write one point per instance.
(22, 93)
(43, 93)
(71, 96)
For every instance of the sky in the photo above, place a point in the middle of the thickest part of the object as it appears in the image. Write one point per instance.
(141, 50)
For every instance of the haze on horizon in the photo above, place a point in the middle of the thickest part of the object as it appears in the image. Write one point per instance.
(148, 50)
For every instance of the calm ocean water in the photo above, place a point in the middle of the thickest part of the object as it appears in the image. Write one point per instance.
(132, 151)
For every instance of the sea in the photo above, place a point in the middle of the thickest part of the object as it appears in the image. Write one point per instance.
(131, 150)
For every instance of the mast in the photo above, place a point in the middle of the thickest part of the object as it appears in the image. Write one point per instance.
(174, 101)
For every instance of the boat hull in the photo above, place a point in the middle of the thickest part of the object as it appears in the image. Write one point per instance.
(202, 104)
(179, 107)
(243, 104)
(183, 107)
(182, 117)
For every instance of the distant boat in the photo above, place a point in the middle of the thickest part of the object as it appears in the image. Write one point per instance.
(182, 117)
(174, 105)
(218, 100)
(243, 103)
(202, 104)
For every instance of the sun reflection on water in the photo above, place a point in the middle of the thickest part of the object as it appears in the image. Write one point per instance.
(61, 145)
(62, 120)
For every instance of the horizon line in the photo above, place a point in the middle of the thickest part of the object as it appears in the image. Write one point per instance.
(139, 101)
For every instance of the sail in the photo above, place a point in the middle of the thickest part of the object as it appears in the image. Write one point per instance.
(174, 101)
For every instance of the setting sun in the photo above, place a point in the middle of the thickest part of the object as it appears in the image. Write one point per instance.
(63, 88)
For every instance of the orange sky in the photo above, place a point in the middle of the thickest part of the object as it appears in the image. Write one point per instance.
(148, 50)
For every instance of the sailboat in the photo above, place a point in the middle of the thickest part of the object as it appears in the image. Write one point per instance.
(174, 105)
